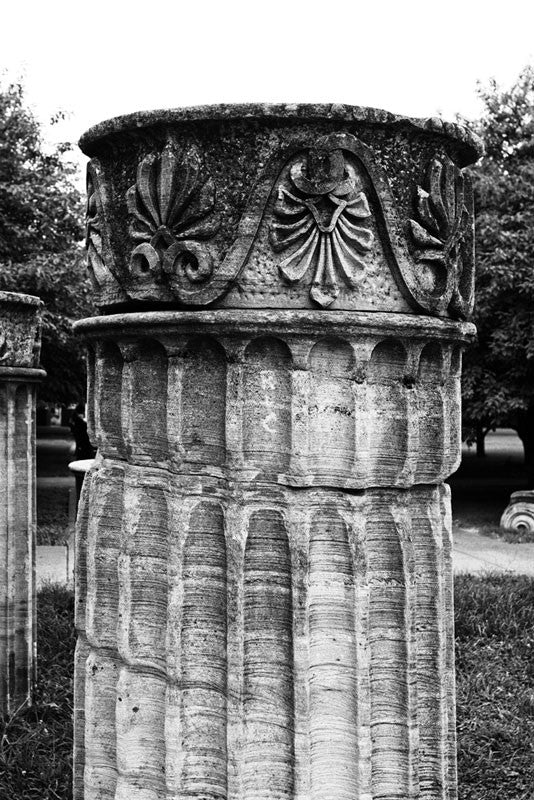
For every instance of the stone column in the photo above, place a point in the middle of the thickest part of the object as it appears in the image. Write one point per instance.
(19, 357)
(264, 584)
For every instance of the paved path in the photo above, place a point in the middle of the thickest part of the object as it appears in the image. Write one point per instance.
(56, 481)
(479, 554)
(54, 564)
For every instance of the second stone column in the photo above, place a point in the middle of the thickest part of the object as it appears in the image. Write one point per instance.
(20, 344)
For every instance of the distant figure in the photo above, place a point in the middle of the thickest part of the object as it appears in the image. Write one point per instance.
(78, 426)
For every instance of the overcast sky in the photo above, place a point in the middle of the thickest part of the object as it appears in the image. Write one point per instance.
(101, 58)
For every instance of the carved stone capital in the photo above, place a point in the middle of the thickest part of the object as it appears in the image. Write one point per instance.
(285, 207)
(20, 330)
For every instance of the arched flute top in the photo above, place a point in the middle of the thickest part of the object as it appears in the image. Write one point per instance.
(281, 211)
(232, 395)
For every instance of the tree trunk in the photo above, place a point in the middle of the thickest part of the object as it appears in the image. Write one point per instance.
(525, 431)
(481, 441)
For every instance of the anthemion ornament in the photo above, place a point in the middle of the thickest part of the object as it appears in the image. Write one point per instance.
(171, 204)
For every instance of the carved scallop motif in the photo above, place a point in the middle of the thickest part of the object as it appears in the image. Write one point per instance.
(319, 224)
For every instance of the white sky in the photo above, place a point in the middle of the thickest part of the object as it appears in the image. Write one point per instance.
(101, 58)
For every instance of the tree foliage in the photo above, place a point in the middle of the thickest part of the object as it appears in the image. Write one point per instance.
(41, 213)
(498, 383)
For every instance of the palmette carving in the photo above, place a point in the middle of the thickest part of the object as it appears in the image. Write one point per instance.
(171, 207)
(319, 224)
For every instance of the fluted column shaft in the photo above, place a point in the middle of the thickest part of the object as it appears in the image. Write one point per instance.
(264, 607)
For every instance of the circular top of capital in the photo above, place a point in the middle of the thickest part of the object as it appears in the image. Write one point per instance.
(16, 299)
(20, 330)
(469, 145)
(281, 206)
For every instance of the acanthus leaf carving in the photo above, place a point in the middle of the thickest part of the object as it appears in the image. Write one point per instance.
(442, 230)
(172, 214)
(93, 234)
(99, 252)
(319, 223)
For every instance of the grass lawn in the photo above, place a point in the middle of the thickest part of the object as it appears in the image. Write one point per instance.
(36, 743)
(52, 515)
(495, 685)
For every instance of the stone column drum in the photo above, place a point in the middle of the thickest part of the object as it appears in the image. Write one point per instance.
(264, 588)
(19, 357)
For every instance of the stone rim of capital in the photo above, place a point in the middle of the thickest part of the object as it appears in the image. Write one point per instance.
(469, 142)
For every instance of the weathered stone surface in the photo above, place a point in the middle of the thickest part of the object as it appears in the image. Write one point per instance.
(20, 330)
(348, 399)
(325, 206)
(264, 591)
(19, 357)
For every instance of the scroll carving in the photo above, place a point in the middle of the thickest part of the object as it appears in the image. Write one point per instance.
(319, 224)
(325, 208)
(171, 207)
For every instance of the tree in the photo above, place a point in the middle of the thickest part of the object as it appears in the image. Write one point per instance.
(41, 213)
(498, 382)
